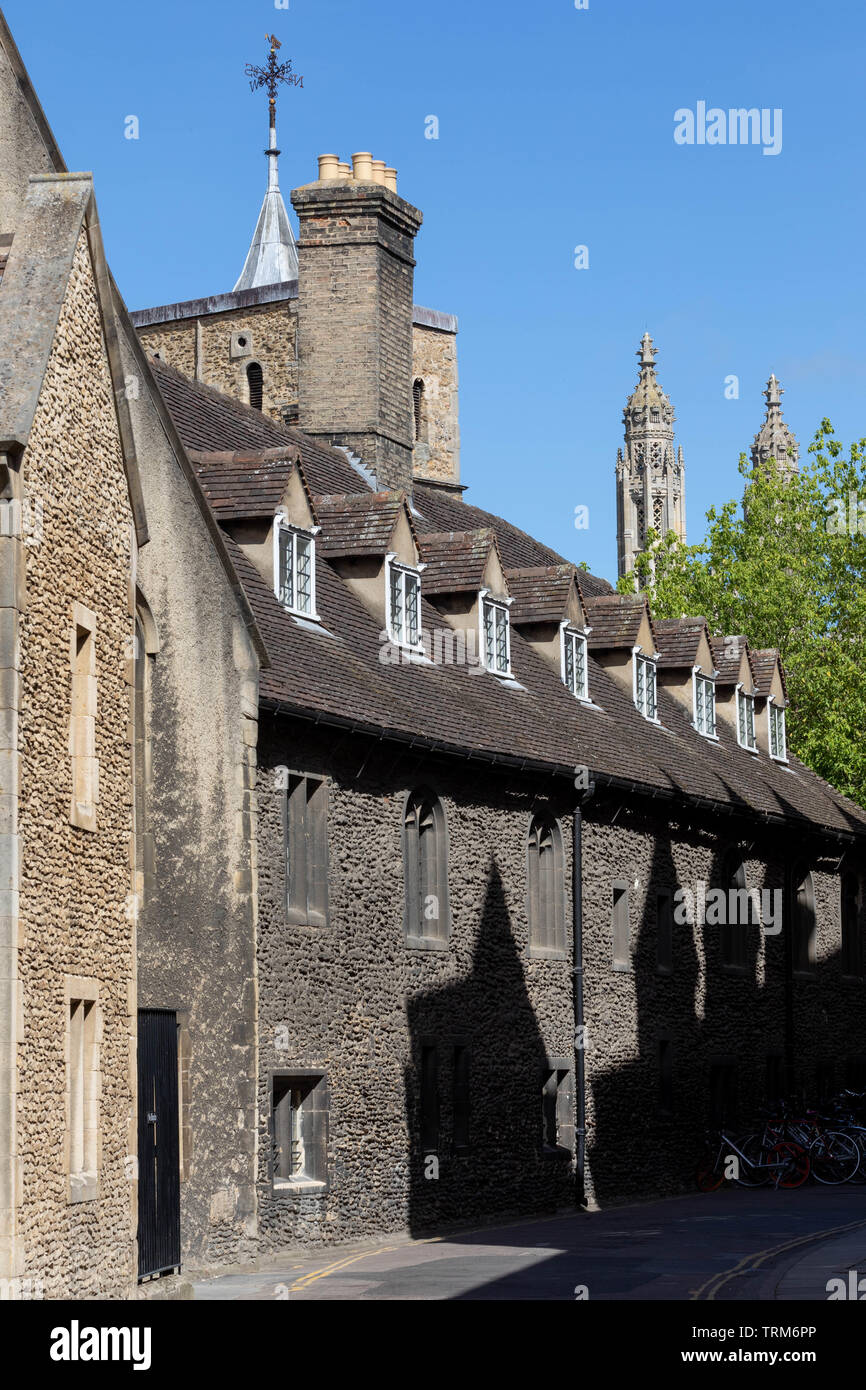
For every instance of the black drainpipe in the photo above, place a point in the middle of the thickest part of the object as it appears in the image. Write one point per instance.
(577, 986)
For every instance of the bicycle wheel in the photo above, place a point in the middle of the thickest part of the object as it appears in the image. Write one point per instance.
(709, 1174)
(835, 1157)
(750, 1174)
(790, 1164)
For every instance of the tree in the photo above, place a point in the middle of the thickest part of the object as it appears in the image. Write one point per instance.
(788, 570)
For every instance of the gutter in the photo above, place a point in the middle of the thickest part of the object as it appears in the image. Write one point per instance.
(577, 991)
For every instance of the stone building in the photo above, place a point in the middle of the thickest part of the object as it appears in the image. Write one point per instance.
(774, 439)
(425, 880)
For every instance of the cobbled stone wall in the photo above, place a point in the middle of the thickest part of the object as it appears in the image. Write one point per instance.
(270, 330)
(437, 452)
(75, 884)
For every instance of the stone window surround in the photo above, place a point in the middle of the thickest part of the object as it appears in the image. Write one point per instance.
(315, 1127)
(82, 721)
(541, 918)
(416, 939)
(83, 1186)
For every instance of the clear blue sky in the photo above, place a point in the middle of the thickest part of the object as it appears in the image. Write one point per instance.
(555, 129)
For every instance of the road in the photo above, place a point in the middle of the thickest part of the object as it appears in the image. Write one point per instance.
(728, 1245)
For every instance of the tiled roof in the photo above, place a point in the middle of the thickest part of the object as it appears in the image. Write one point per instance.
(242, 483)
(540, 594)
(206, 420)
(335, 674)
(455, 560)
(360, 524)
(615, 620)
(727, 652)
(764, 661)
(678, 640)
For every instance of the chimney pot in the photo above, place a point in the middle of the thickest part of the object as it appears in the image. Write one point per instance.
(379, 171)
(345, 170)
(363, 167)
(391, 179)
(329, 168)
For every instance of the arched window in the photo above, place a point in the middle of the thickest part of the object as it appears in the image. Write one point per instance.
(805, 922)
(545, 887)
(256, 385)
(418, 407)
(852, 949)
(739, 915)
(425, 867)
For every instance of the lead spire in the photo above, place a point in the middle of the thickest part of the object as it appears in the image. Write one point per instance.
(273, 255)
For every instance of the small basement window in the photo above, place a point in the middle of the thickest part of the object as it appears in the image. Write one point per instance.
(404, 603)
(299, 1129)
(295, 569)
(574, 663)
(497, 637)
(746, 721)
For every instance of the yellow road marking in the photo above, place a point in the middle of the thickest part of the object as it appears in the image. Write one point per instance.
(754, 1261)
(307, 1279)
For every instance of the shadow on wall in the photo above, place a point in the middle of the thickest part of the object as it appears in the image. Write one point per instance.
(704, 1062)
(476, 1114)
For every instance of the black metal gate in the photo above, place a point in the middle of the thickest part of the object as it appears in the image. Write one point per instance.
(158, 1143)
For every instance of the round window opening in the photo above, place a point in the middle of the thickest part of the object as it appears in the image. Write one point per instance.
(242, 342)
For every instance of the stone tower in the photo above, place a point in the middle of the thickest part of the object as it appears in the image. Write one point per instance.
(650, 474)
(774, 440)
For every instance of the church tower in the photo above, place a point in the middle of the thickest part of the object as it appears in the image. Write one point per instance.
(650, 474)
(774, 440)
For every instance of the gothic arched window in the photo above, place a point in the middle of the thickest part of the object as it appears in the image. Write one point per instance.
(425, 871)
(418, 407)
(805, 922)
(545, 887)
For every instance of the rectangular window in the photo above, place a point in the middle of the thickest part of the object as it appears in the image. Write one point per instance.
(497, 640)
(429, 1099)
(666, 1076)
(621, 927)
(574, 663)
(299, 1125)
(723, 1093)
(83, 1087)
(705, 706)
(296, 577)
(645, 696)
(82, 724)
(404, 604)
(557, 1109)
(461, 1099)
(664, 932)
(778, 747)
(746, 721)
(306, 847)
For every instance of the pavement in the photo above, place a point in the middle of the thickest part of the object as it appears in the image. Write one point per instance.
(730, 1245)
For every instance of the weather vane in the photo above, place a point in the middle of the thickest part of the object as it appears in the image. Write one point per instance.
(273, 75)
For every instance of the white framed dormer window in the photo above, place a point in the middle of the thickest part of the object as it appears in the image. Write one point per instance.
(404, 602)
(778, 745)
(295, 567)
(746, 720)
(704, 690)
(645, 685)
(496, 635)
(575, 667)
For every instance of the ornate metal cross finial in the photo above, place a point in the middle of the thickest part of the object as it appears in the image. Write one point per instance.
(272, 76)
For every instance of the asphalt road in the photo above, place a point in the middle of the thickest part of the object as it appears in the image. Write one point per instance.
(730, 1245)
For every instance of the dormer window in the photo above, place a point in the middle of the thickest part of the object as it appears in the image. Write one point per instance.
(705, 705)
(778, 746)
(645, 696)
(497, 636)
(746, 720)
(404, 603)
(295, 568)
(574, 663)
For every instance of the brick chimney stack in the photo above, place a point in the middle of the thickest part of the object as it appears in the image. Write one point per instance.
(355, 300)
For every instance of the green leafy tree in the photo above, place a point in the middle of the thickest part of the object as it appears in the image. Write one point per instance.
(787, 570)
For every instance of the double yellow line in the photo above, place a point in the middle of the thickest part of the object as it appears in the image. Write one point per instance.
(752, 1262)
(306, 1280)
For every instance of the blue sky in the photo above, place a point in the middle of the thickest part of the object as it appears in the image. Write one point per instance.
(555, 130)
